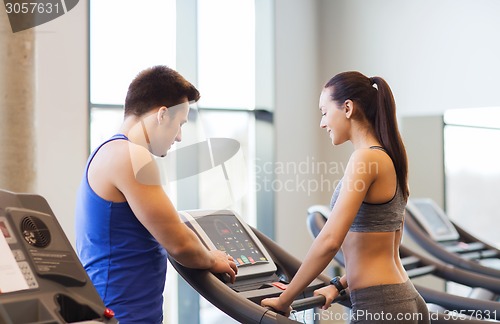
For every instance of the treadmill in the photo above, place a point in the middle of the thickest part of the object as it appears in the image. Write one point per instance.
(428, 225)
(443, 307)
(41, 279)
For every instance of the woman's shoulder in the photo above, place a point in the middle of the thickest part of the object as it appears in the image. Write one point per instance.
(368, 161)
(365, 155)
(370, 154)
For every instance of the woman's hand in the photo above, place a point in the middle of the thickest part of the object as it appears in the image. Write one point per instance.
(330, 293)
(276, 305)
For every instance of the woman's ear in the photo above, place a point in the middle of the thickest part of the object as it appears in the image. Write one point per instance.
(349, 108)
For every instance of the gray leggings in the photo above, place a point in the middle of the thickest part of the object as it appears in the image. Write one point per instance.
(393, 303)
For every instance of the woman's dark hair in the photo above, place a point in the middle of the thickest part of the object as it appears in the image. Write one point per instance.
(158, 86)
(378, 107)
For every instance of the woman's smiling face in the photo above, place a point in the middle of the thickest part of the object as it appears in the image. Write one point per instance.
(333, 118)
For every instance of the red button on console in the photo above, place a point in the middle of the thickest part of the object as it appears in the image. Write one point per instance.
(279, 285)
(108, 313)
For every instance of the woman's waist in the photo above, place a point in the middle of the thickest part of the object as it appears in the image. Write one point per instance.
(373, 273)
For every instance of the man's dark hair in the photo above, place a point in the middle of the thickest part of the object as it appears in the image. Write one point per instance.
(158, 86)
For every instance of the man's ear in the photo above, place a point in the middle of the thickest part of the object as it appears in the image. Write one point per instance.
(161, 114)
(349, 108)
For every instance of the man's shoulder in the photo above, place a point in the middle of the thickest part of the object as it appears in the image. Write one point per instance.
(123, 158)
(122, 152)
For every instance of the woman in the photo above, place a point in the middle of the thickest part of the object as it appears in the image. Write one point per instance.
(367, 208)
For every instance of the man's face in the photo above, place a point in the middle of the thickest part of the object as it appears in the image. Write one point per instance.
(169, 128)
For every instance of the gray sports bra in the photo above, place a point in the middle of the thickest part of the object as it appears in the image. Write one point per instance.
(385, 217)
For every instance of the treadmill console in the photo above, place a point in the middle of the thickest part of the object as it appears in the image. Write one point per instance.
(433, 220)
(224, 230)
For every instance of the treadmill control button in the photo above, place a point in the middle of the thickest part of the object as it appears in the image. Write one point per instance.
(279, 285)
(108, 313)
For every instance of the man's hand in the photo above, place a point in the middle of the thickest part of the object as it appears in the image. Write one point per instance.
(224, 263)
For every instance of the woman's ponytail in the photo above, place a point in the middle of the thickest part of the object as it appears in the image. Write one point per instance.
(386, 129)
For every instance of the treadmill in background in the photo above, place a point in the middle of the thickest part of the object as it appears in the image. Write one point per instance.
(41, 278)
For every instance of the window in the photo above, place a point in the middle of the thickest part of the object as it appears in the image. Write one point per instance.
(125, 37)
(226, 53)
(472, 171)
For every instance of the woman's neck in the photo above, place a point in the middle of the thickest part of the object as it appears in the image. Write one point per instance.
(363, 137)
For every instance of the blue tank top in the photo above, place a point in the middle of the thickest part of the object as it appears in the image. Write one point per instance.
(124, 261)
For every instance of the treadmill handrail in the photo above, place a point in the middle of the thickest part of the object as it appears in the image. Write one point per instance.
(440, 252)
(471, 238)
(451, 273)
(455, 302)
(295, 263)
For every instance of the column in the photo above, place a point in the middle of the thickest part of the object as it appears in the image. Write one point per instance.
(17, 94)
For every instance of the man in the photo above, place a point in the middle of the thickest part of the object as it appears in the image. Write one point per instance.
(124, 219)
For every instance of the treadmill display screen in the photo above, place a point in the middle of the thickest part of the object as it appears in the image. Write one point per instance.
(437, 225)
(228, 235)
(433, 220)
